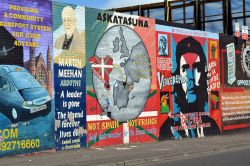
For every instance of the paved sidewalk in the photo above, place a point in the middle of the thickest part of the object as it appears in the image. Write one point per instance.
(136, 154)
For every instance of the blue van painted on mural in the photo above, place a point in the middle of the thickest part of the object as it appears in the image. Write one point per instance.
(22, 98)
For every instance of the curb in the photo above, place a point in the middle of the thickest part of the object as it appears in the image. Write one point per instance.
(166, 157)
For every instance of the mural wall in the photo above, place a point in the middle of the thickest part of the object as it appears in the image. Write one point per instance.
(189, 83)
(69, 66)
(105, 78)
(235, 77)
(26, 90)
(121, 79)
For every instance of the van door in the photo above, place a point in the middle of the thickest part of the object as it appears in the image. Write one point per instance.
(5, 94)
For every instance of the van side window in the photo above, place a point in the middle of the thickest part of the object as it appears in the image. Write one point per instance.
(3, 84)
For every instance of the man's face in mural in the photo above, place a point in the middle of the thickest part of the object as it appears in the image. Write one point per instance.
(162, 45)
(69, 21)
(190, 71)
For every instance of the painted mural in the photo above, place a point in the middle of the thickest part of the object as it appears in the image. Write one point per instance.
(105, 78)
(69, 66)
(121, 82)
(235, 82)
(26, 90)
(189, 83)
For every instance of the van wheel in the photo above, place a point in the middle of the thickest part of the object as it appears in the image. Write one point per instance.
(14, 116)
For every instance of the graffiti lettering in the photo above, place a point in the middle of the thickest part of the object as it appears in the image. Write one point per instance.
(94, 126)
(169, 81)
(9, 133)
(110, 125)
(213, 75)
(110, 135)
(68, 62)
(25, 17)
(27, 35)
(142, 122)
(164, 63)
(75, 94)
(61, 115)
(191, 114)
(236, 118)
(72, 104)
(24, 9)
(211, 65)
(40, 28)
(243, 82)
(72, 83)
(14, 25)
(193, 126)
(66, 141)
(105, 17)
(26, 43)
(69, 73)
(235, 108)
(103, 125)
(93, 137)
(19, 144)
(64, 134)
(76, 114)
(66, 124)
(68, 147)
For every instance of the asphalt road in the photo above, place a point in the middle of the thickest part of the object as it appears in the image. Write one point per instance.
(236, 157)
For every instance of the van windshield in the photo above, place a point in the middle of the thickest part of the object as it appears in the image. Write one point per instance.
(23, 80)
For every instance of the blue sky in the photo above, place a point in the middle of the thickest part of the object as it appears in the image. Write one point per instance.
(106, 4)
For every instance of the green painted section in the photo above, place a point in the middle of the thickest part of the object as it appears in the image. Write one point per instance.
(152, 94)
(94, 32)
(147, 132)
(91, 94)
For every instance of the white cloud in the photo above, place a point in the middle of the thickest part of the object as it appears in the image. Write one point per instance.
(125, 3)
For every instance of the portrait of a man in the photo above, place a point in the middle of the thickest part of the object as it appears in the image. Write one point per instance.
(72, 39)
(190, 117)
(162, 45)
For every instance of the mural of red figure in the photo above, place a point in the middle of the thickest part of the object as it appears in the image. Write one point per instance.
(190, 117)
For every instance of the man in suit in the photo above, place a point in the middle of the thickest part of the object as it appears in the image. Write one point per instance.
(72, 39)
